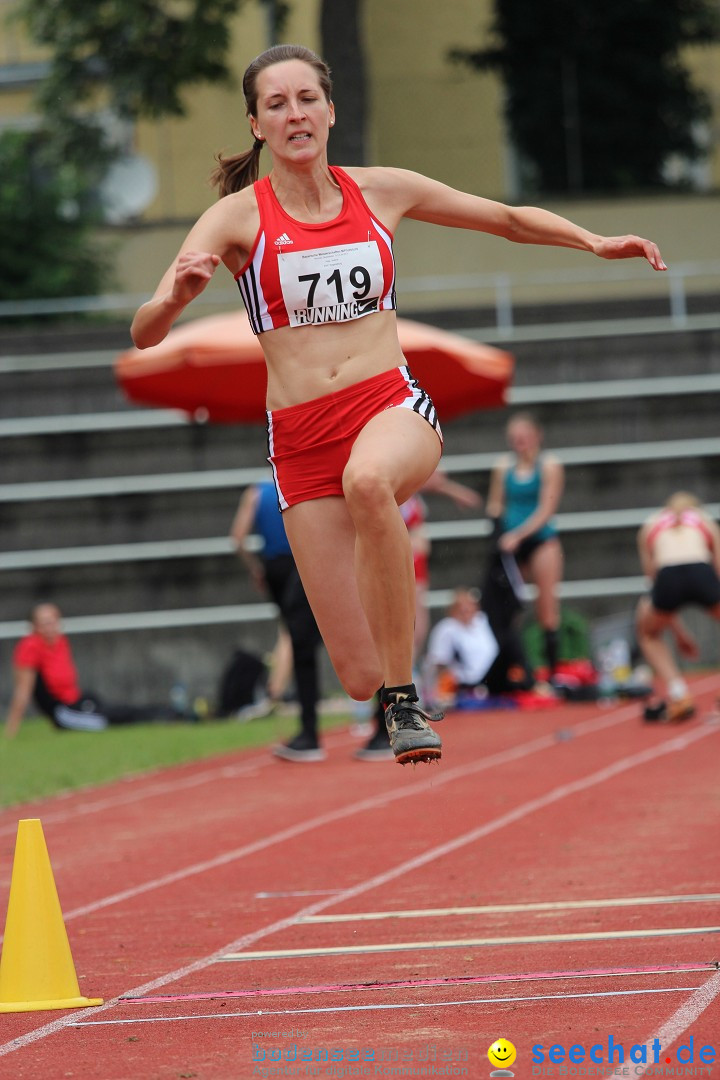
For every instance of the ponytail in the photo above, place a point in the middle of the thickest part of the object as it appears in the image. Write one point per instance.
(234, 173)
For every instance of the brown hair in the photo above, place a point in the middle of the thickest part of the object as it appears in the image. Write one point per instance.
(525, 417)
(239, 170)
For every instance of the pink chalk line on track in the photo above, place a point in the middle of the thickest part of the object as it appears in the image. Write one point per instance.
(401, 984)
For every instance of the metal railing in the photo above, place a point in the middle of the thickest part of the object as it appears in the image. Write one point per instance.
(566, 393)
(498, 291)
(214, 479)
(595, 521)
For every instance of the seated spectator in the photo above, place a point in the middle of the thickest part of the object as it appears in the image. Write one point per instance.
(464, 655)
(44, 670)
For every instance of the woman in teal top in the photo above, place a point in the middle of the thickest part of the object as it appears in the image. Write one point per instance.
(525, 489)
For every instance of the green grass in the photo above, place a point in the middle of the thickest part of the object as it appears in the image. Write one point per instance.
(42, 761)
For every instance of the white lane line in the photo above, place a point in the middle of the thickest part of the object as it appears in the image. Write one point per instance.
(688, 1013)
(504, 909)
(131, 797)
(450, 776)
(472, 943)
(380, 1007)
(670, 746)
(296, 892)
(140, 786)
(228, 771)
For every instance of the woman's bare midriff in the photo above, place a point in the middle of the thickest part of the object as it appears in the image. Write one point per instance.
(307, 362)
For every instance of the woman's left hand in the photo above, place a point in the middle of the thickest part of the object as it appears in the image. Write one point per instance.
(629, 247)
(509, 542)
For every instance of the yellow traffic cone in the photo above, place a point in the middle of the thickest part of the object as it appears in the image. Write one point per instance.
(36, 966)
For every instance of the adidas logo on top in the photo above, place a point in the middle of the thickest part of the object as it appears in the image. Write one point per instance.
(284, 239)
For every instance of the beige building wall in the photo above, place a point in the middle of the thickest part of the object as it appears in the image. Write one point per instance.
(429, 114)
(424, 113)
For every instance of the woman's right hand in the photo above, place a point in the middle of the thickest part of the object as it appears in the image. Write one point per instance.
(193, 271)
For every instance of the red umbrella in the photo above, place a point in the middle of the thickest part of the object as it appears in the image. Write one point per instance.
(214, 366)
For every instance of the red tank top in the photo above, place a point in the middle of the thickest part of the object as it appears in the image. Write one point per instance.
(301, 274)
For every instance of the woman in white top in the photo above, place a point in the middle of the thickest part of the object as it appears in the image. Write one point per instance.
(679, 548)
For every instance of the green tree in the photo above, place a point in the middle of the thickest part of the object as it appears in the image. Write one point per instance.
(46, 246)
(137, 58)
(131, 57)
(597, 94)
(142, 54)
(342, 47)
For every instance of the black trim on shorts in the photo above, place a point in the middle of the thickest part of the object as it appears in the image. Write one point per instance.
(529, 545)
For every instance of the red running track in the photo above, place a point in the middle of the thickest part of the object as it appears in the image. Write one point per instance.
(554, 881)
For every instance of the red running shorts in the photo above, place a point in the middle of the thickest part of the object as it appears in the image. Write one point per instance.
(309, 444)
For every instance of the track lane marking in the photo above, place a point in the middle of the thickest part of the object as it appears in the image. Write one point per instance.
(227, 771)
(470, 943)
(505, 909)
(379, 1007)
(684, 1017)
(402, 984)
(673, 745)
(501, 757)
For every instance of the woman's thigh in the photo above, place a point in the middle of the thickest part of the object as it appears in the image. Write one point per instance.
(396, 447)
(545, 566)
(545, 570)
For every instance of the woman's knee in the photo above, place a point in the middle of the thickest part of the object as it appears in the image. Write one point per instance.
(359, 681)
(361, 689)
(367, 489)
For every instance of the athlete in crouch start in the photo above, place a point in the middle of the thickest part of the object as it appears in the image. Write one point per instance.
(351, 435)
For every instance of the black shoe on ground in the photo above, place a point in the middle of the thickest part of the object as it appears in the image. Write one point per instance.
(655, 712)
(377, 748)
(301, 748)
(411, 737)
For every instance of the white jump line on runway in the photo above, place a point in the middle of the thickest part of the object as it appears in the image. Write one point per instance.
(296, 892)
(688, 1013)
(379, 1007)
(493, 761)
(471, 943)
(505, 909)
(676, 744)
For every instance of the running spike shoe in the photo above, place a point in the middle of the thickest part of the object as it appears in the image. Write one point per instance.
(411, 737)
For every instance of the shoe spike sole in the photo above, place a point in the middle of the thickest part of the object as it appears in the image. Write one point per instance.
(411, 757)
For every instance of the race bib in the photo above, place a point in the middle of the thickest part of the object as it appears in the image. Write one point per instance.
(334, 284)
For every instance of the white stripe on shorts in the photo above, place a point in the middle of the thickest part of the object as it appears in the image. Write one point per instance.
(282, 501)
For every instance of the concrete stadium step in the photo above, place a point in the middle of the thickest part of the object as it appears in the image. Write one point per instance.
(620, 356)
(131, 509)
(115, 443)
(183, 447)
(35, 385)
(219, 579)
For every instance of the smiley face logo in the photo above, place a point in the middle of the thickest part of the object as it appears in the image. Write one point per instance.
(502, 1053)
